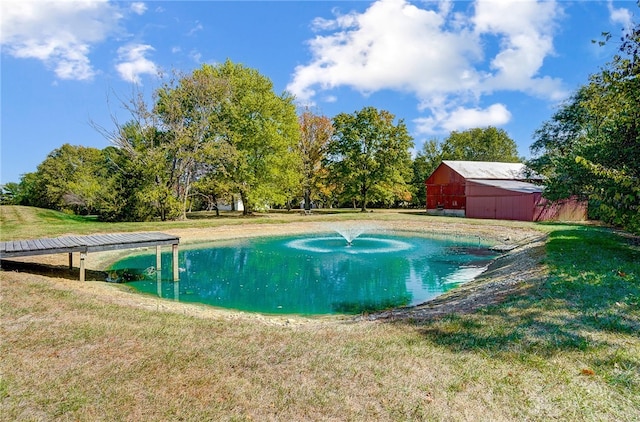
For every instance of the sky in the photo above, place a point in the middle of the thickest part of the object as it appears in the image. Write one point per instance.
(440, 66)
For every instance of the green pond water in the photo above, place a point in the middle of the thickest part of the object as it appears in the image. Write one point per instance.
(311, 274)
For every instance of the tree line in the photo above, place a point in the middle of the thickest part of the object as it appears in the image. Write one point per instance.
(222, 133)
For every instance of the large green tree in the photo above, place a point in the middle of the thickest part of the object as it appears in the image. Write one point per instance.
(480, 144)
(591, 146)
(316, 131)
(369, 156)
(218, 131)
(189, 108)
(145, 166)
(10, 193)
(259, 131)
(134, 191)
(71, 177)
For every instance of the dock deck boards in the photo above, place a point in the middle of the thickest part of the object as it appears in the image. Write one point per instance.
(86, 244)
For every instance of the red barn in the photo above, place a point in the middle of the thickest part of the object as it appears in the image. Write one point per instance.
(505, 191)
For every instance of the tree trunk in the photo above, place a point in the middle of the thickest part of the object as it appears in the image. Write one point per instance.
(307, 199)
(245, 203)
(363, 191)
(185, 198)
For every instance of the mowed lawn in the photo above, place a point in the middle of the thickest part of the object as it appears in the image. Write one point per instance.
(565, 348)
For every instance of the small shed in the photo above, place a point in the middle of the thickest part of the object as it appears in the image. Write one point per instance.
(505, 191)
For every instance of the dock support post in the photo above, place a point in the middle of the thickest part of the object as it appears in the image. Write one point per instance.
(174, 249)
(159, 283)
(158, 259)
(83, 255)
(70, 260)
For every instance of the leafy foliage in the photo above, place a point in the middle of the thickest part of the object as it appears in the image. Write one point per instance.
(480, 144)
(10, 193)
(261, 129)
(368, 157)
(211, 134)
(590, 147)
(70, 178)
(316, 131)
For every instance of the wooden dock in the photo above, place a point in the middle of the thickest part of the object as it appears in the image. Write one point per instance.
(92, 243)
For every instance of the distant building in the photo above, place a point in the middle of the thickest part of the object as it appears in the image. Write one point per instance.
(235, 204)
(505, 191)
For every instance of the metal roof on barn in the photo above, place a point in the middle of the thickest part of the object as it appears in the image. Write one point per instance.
(490, 170)
(510, 185)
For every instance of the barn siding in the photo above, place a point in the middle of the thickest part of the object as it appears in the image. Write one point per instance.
(496, 203)
(446, 190)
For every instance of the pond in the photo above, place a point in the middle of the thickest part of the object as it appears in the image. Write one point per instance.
(315, 274)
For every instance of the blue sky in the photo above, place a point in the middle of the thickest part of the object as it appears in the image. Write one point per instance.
(438, 65)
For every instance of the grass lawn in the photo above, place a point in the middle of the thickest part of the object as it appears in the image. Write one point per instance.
(565, 348)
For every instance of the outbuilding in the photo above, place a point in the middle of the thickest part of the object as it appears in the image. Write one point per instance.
(505, 191)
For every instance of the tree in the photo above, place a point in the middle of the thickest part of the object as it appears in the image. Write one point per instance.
(71, 177)
(369, 156)
(424, 164)
(189, 108)
(591, 145)
(263, 129)
(29, 189)
(218, 130)
(10, 194)
(316, 131)
(146, 167)
(130, 188)
(480, 144)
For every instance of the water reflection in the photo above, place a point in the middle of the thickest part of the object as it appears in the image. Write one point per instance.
(269, 275)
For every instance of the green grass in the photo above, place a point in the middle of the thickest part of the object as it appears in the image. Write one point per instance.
(566, 348)
(587, 310)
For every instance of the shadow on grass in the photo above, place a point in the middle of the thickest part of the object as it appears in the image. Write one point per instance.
(57, 271)
(589, 302)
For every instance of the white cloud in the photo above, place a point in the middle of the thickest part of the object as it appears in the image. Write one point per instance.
(197, 28)
(59, 33)
(444, 59)
(525, 30)
(138, 8)
(196, 56)
(330, 99)
(464, 118)
(622, 16)
(133, 63)
(392, 45)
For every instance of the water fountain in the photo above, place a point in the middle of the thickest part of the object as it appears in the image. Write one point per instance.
(351, 231)
(346, 242)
